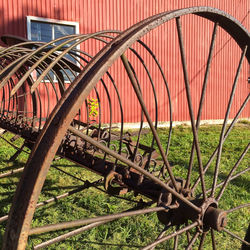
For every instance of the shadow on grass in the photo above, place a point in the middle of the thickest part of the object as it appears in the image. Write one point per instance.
(12, 165)
(240, 181)
(48, 188)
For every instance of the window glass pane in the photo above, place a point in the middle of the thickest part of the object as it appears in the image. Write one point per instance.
(41, 31)
(45, 32)
(69, 76)
(50, 76)
(63, 30)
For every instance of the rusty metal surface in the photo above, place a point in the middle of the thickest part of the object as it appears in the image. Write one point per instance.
(69, 129)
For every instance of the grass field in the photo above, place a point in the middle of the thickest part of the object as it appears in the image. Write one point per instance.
(137, 231)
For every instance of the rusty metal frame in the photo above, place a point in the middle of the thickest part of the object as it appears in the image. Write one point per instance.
(49, 137)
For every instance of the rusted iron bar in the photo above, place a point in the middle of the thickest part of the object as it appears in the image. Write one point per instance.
(216, 171)
(192, 241)
(133, 165)
(231, 172)
(77, 223)
(171, 236)
(204, 87)
(231, 178)
(66, 128)
(236, 236)
(69, 234)
(190, 105)
(225, 137)
(61, 196)
(12, 172)
(238, 207)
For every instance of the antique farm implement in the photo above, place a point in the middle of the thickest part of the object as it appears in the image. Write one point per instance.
(65, 102)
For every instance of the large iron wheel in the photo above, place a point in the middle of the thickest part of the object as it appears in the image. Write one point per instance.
(185, 202)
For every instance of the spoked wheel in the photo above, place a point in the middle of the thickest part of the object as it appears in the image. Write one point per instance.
(191, 195)
(13, 158)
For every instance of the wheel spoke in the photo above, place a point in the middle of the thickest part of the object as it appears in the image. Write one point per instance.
(57, 119)
(232, 178)
(203, 236)
(168, 93)
(176, 239)
(70, 224)
(171, 236)
(161, 234)
(145, 111)
(68, 235)
(236, 236)
(12, 172)
(204, 86)
(3, 218)
(226, 135)
(216, 172)
(190, 106)
(189, 246)
(213, 239)
(238, 207)
(188, 235)
(231, 173)
(61, 196)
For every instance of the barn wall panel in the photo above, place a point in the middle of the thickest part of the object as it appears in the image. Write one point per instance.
(95, 15)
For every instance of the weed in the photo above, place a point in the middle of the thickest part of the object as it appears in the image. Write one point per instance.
(93, 107)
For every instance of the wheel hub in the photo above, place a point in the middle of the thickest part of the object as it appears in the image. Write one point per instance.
(214, 218)
(179, 213)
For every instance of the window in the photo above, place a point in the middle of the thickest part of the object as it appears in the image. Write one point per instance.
(45, 30)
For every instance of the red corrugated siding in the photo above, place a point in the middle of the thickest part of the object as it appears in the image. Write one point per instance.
(95, 15)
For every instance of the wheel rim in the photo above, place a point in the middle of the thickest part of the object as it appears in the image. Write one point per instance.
(56, 126)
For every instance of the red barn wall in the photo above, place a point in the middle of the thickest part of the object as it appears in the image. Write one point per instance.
(95, 15)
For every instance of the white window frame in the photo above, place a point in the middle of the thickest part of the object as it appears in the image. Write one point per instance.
(51, 21)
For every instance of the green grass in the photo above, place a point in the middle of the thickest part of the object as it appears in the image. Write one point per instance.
(137, 231)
